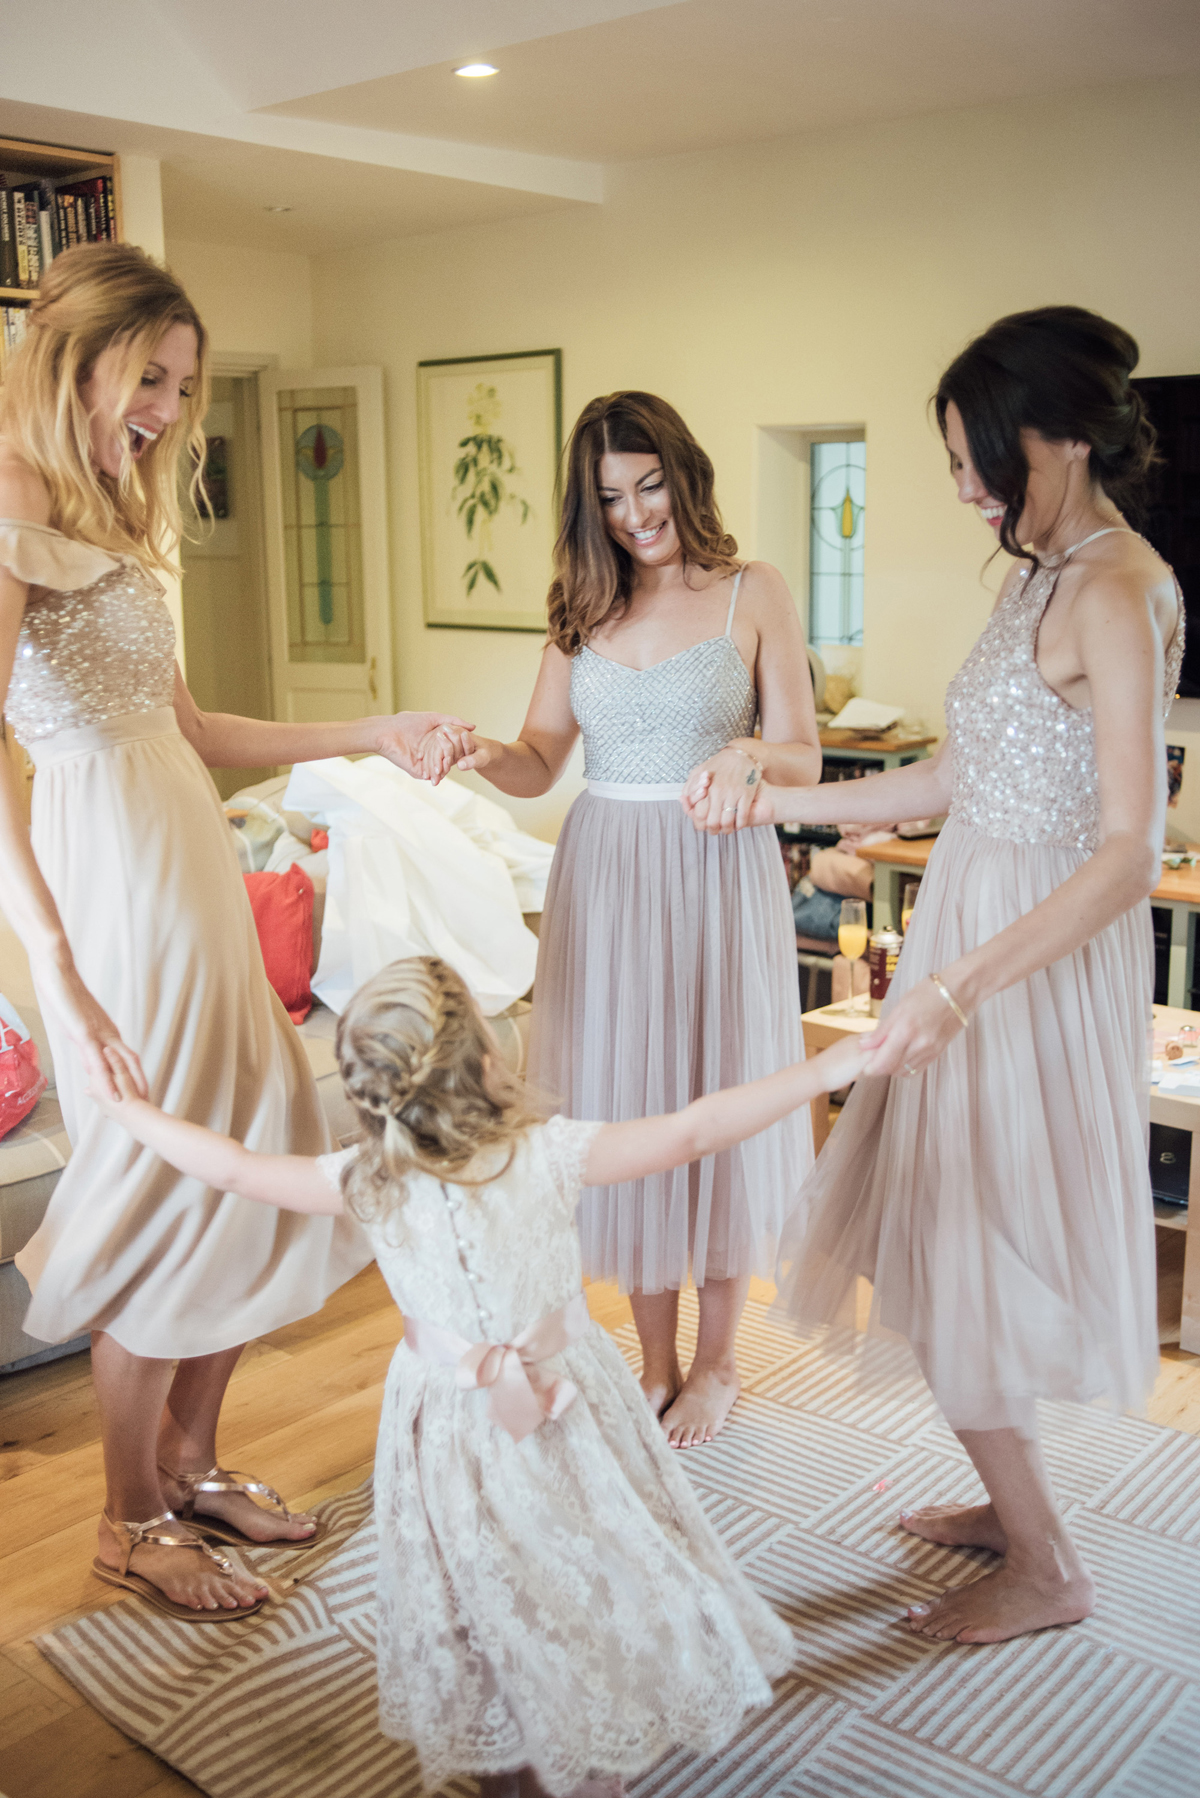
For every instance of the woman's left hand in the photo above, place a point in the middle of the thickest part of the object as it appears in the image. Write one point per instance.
(425, 744)
(720, 793)
(914, 1033)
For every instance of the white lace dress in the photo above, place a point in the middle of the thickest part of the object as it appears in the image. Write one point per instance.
(561, 1601)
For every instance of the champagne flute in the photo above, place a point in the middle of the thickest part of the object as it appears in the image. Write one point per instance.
(852, 939)
(911, 889)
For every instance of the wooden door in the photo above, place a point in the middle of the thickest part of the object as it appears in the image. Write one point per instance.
(325, 495)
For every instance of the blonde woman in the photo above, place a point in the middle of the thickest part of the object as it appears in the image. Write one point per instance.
(556, 1612)
(667, 963)
(129, 902)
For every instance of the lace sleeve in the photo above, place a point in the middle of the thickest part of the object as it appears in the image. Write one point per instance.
(334, 1166)
(42, 557)
(566, 1142)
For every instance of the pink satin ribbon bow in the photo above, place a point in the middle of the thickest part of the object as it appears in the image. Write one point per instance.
(522, 1396)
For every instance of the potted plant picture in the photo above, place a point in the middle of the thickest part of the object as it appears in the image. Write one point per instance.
(489, 439)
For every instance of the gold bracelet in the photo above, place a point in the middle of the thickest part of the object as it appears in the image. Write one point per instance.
(951, 1001)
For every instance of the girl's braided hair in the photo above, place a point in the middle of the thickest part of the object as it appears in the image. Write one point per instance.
(425, 1075)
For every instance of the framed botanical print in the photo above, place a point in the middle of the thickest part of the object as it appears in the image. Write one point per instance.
(489, 434)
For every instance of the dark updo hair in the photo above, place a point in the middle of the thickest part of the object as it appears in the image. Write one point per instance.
(1063, 372)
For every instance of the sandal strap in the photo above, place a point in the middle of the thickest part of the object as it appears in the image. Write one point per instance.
(223, 1479)
(156, 1530)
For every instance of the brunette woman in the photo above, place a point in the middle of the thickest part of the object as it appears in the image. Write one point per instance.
(139, 934)
(667, 966)
(995, 1187)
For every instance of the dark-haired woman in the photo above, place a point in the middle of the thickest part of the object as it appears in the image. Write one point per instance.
(667, 965)
(990, 1175)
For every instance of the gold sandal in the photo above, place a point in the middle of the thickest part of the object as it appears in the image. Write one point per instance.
(221, 1479)
(155, 1530)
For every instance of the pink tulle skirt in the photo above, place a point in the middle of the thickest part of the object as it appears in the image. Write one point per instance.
(999, 1201)
(666, 970)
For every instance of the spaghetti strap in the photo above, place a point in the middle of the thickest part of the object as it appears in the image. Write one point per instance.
(737, 581)
(1110, 530)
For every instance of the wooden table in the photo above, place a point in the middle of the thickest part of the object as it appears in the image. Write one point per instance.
(1178, 892)
(832, 1022)
(822, 1029)
(887, 748)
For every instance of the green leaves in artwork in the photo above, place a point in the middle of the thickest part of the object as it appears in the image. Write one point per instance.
(474, 570)
(481, 477)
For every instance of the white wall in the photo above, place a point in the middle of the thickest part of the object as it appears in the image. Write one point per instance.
(822, 280)
(253, 302)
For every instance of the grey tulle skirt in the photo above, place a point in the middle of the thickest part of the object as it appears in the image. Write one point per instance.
(999, 1200)
(666, 970)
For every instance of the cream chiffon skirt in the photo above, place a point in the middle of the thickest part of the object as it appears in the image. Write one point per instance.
(130, 835)
(1000, 1201)
(666, 970)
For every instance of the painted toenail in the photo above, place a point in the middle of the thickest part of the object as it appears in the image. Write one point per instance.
(918, 1610)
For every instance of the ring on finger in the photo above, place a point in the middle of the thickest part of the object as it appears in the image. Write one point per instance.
(907, 1070)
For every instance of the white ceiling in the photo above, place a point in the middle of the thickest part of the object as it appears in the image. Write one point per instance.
(353, 117)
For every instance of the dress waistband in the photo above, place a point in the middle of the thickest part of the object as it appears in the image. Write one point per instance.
(639, 791)
(522, 1395)
(108, 733)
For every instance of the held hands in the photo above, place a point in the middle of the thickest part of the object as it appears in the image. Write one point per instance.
(473, 754)
(725, 793)
(845, 1061)
(425, 744)
(93, 1033)
(113, 1094)
(915, 1032)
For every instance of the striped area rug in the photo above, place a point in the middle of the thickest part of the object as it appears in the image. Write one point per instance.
(804, 1485)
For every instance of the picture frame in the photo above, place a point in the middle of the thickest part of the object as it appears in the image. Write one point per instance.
(489, 440)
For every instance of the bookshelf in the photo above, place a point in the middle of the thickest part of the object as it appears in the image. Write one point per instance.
(22, 160)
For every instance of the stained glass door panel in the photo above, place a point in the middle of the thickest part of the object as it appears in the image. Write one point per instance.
(323, 450)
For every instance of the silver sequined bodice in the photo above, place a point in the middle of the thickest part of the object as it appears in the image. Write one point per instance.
(98, 652)
(1024, 760)
(655, 724)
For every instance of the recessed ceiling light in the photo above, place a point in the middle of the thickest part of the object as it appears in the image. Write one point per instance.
(277, 209)
(474, 70)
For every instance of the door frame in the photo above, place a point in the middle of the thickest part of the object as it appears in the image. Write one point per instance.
(377, 589)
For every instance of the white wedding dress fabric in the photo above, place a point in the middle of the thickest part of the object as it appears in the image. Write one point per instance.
(561, 1601)
(420, 870)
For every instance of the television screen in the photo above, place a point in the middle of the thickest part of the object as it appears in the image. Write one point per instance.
(1172, 521)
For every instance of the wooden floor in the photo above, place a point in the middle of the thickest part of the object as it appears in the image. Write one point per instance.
(302, 1410)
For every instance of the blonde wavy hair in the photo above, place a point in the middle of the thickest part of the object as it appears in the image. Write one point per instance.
(98, 297)
(425, 1076)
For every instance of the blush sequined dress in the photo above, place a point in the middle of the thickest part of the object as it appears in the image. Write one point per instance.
(131, 838)
(667, 969)
(999, 1200)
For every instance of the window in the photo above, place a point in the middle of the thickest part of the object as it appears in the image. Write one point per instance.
(837, 506)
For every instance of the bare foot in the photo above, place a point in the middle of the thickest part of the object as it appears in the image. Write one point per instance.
(184, 1575)
(705, 1400)
(1006, 1603)
(957, 1526)
(660, 1393)
(237, 1508)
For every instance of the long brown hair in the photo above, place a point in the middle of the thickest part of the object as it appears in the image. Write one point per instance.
(93, 298)
(422, 1070)
(593, 575)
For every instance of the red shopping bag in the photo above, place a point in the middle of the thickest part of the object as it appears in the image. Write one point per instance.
(22, 1081)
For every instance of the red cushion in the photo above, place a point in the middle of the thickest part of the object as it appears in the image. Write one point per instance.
(283, 915)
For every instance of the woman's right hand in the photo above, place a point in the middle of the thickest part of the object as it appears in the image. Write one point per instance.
(697, 799)
(476, 754)
(92, 1031)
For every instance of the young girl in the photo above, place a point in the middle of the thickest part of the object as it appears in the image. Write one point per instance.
(555, 1611)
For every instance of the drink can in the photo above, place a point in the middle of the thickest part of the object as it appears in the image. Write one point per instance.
(882, 951)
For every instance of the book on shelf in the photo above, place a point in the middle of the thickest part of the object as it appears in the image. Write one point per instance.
(40, 219)
(13, 322)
